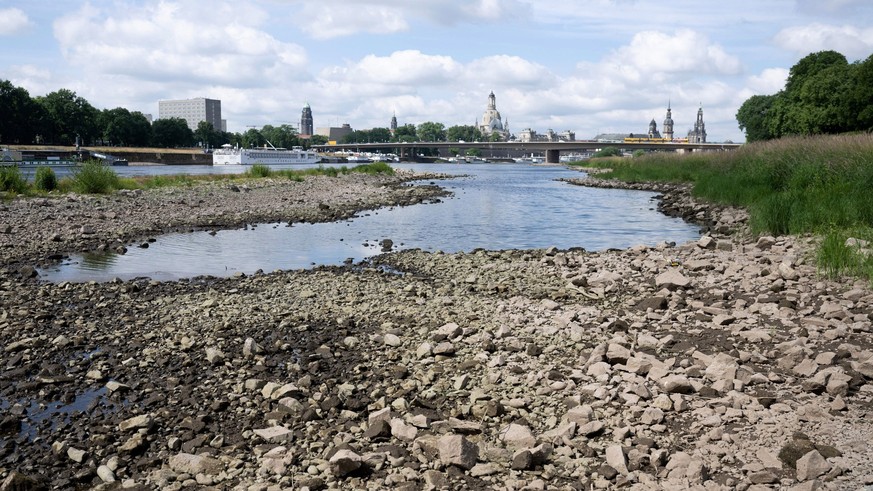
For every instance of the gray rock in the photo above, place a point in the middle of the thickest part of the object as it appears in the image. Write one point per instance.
(811, 466)
(616, 459)
(457, 450)
(344, 462)
(195, 464)
(672, 279)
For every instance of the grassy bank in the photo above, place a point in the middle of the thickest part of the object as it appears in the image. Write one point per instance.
(95, 178)
(821, 185)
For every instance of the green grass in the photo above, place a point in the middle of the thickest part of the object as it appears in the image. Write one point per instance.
(45, 179)
(11, 180)
(821, 185)
(94, 178)
(259, 170)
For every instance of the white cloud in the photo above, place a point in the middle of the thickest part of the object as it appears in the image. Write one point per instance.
(655, 55)
(13, 21)
(177, 42)
(849, 40)
(326, 19)
(408, 67)
(507, 71)
(770, 81)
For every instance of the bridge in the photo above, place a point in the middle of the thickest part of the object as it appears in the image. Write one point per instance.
(552, 150)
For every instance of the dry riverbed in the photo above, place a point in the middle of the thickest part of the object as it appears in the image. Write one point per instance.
(724, 363)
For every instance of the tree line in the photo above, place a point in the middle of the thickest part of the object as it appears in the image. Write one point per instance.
(824, 94)
(64, 118)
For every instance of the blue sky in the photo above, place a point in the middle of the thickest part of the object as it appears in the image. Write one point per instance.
(587, 66)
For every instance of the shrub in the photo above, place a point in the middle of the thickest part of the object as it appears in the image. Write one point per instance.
(45, 179)
(12, 180)
(94, 178)
(259, 170)
(374, 168)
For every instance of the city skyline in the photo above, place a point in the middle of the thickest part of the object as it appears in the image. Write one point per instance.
(590, 67)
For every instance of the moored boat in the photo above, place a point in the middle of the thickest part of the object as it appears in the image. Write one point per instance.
(229, 155)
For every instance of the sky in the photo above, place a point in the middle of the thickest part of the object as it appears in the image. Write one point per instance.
(588, 66)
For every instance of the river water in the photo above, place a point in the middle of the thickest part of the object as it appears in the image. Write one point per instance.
(495, 206)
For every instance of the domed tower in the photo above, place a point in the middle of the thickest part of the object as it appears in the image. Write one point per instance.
(491, 121)
(306, 121)
(668, 123)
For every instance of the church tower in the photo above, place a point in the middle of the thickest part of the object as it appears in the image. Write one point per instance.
(668, 123)
(306, 121)
(393, 123)
(698, 134)
(653, 129)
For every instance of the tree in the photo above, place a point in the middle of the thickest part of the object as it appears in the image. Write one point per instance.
(752, 117)
(431, 132)
(467, 133)
(70, 116)
(252, 138)
(121, 127)
(317, 140)
(284, 136)
(20, 116)
(171, 133)
(861, 97)
(405, 133)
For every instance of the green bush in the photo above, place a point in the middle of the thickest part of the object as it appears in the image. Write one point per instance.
(94, 178)
(12, 180)
(45, 179)
(374, 168)
(259, 170)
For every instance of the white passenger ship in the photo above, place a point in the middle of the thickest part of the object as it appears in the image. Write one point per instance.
(228, 155)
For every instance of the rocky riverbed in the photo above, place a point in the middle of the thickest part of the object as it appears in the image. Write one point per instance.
(725, 363)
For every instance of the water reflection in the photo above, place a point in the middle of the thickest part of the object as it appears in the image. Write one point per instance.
(496, 207)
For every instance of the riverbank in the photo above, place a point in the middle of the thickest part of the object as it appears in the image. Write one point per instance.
(723, 363)
(36, 230)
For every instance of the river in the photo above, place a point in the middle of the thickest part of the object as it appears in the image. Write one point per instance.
(494, 206)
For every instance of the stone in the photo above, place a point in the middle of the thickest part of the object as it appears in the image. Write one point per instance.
(195, 464)
(765, 242)
(457, 450)
(616, 459)
(76, 454)
(344, 462)
(392, 340)
(517, 436)
(706, 242)
(522, 460)
(616, 353)
(658, 302)
(811, 466)
(722, 367)
(136, 423)
(214, 356)
(274, 434)
(105, 474)
(676, 384)
(403, 431)
(672, 279)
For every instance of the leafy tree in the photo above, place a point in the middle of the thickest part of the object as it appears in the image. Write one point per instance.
(752, 117)
(861, 97)
(467, 133)
(808, 67)
(121, 127)
(380, 135)
(405, 133)
(317, 140)
(284, 136)
(431, 132)
(252, 138)
(172, 132)
(69, 116)
(473, 152)
(20, 116)
(206, 135)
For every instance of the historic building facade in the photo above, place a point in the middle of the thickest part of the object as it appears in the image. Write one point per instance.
(698, 134)
(492, 123)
